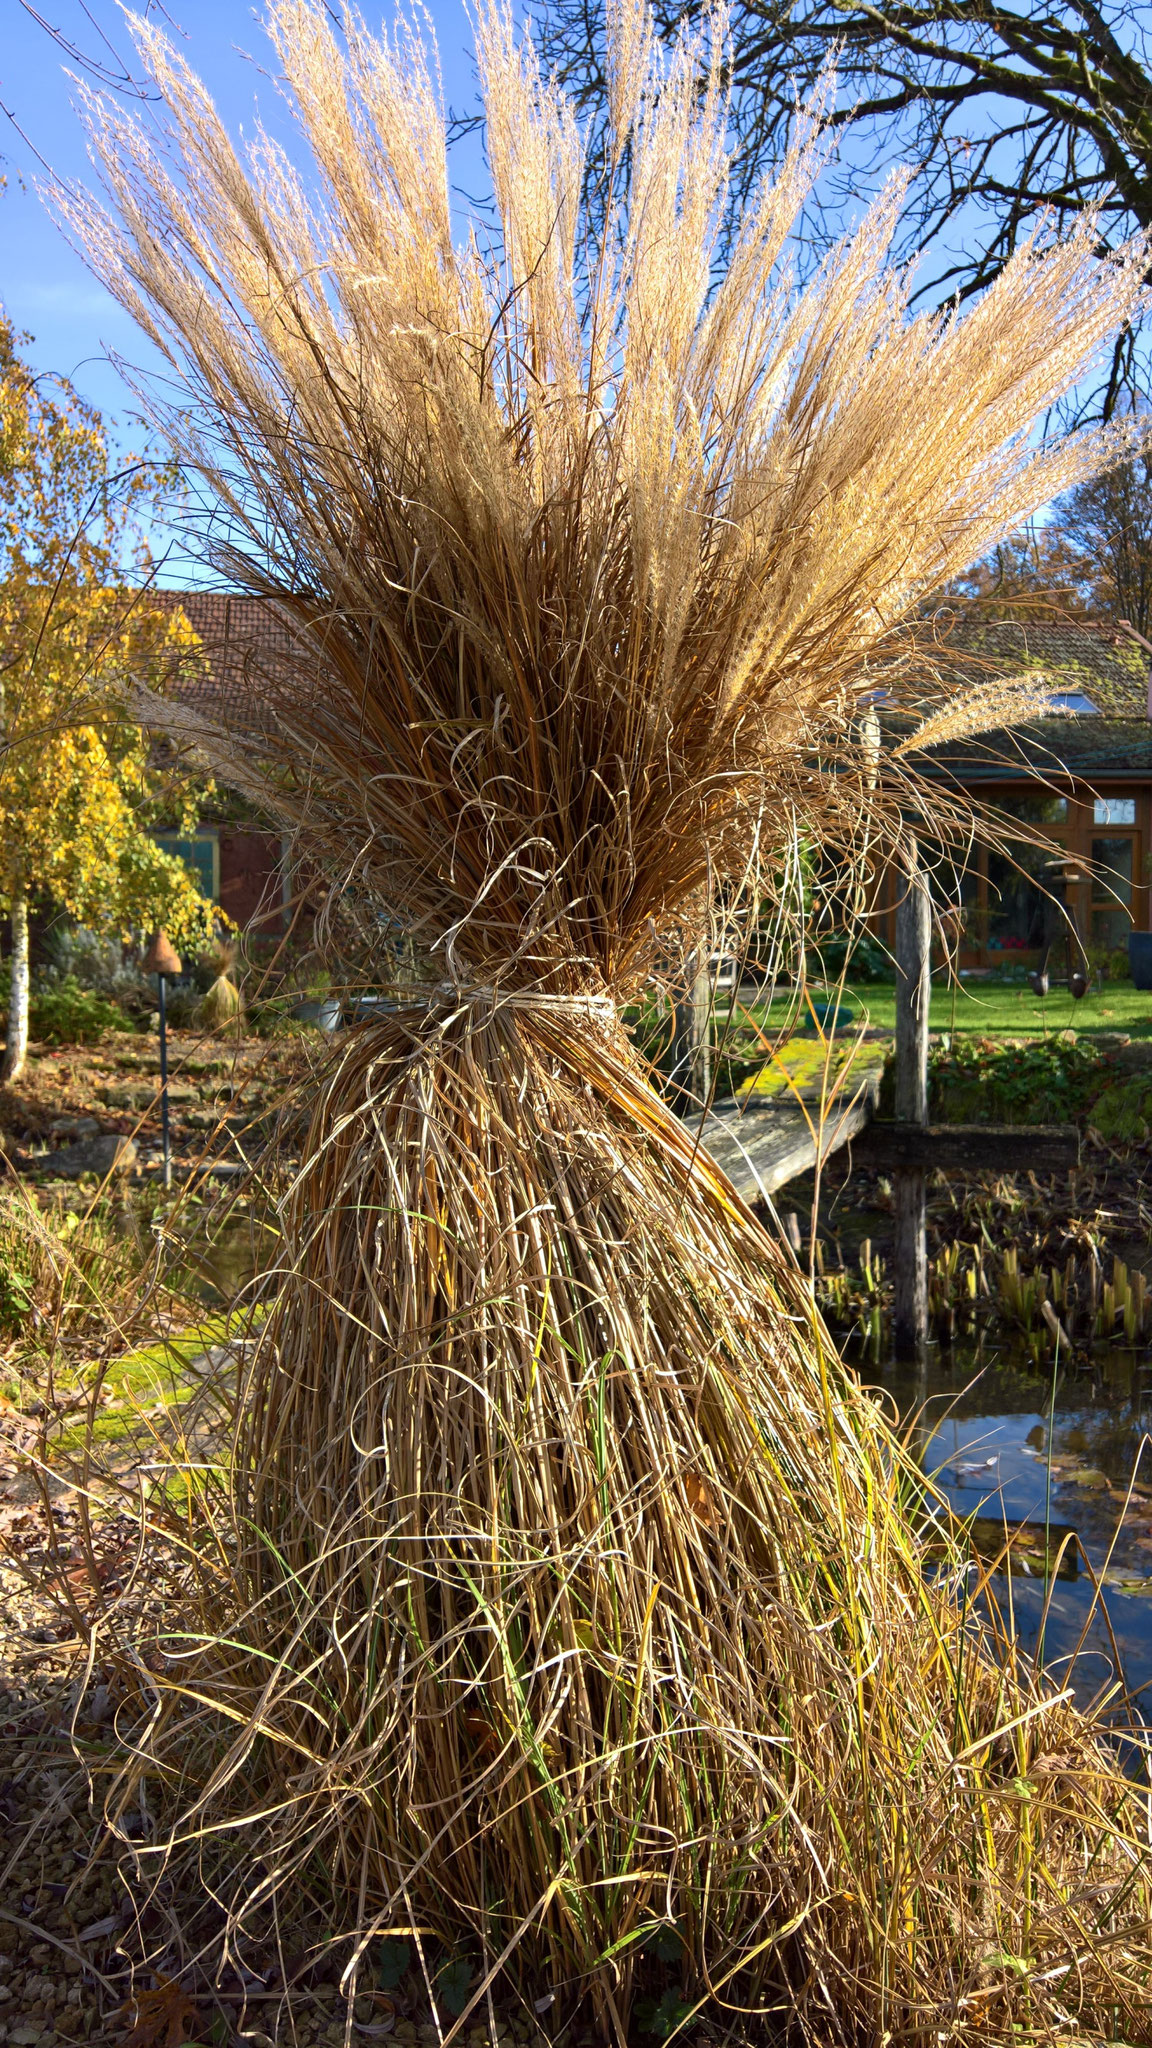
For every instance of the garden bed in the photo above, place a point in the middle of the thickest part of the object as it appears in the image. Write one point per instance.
(223, 1094)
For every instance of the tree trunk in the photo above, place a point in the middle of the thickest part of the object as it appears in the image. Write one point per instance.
(17, 1043)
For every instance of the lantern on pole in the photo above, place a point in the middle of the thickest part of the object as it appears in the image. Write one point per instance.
(162, 959)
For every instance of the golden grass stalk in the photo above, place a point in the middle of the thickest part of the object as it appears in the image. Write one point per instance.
(986, 707)
(574, 1593)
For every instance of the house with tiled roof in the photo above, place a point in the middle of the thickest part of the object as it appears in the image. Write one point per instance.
(240, 862)
(1077, 779)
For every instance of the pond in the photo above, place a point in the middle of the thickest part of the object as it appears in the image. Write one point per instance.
(980, 1424)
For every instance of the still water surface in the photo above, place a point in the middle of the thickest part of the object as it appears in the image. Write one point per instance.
(981, 1427)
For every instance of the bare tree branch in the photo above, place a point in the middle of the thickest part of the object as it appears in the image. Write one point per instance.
(1011, 112)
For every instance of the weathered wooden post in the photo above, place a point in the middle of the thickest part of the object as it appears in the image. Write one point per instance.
(913, 988)
(691, 1034)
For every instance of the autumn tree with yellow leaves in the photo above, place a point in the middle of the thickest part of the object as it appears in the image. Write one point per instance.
(80, 784)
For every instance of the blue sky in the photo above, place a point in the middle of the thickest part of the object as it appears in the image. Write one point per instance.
(43, 284)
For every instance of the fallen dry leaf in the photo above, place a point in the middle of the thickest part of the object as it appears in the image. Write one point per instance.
(163, 2016)
(482, 1733)
(700, 1499)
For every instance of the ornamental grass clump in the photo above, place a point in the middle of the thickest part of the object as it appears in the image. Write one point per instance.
(575, 1616)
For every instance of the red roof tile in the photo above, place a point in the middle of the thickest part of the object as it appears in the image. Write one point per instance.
(242, 640)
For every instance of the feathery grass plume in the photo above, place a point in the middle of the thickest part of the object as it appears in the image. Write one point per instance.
(576, 1603)
(984, 708)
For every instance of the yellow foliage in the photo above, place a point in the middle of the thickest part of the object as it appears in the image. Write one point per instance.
(79, 786)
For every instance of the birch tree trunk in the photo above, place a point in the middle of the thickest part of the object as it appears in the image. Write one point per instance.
(17, 1042)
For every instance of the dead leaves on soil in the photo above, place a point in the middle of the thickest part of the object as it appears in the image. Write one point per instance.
(165, 2017)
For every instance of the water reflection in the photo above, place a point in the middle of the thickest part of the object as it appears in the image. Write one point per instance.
(982, 1432)
(217, 1259)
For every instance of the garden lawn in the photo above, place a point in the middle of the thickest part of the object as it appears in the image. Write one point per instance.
(998, 1009)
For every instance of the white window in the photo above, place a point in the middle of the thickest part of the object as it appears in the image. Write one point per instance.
(1114, 810)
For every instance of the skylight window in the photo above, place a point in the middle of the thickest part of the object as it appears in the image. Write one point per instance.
(1072, 701)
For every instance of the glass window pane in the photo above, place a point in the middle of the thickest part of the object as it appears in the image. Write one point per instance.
(1114, 810)
(1016, 897)
(1073, 700)
(1115, 856)
(1112, 921)
(1033, 810)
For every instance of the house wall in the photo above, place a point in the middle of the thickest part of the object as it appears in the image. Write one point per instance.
(251, 876)
(1003, 914)
(238, 867)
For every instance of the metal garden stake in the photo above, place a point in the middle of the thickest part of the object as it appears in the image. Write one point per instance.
(162, 959)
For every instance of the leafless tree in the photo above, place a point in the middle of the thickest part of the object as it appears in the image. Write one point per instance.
(1012, 112)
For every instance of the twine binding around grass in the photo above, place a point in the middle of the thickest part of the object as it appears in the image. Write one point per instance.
(569, 1607)
(484, 999)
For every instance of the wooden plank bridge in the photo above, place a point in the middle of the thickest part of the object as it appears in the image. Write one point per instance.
(770, 1141)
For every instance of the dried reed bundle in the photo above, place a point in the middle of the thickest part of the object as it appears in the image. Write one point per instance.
(221, 1004)
(575, 1588)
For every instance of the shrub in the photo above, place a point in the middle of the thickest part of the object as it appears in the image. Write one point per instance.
(1122, 1112)
(94, 962)
(63, 1013)
(1030, 1081)
(71, 1015)
(856, 953)
(1109, 963)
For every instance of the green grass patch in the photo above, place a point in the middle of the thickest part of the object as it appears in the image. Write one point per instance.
(1009, 1009)
(142, 1384)
(138, 1371)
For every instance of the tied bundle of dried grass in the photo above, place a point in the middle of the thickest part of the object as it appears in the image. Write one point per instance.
(577, 1598)
(222, 1002)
